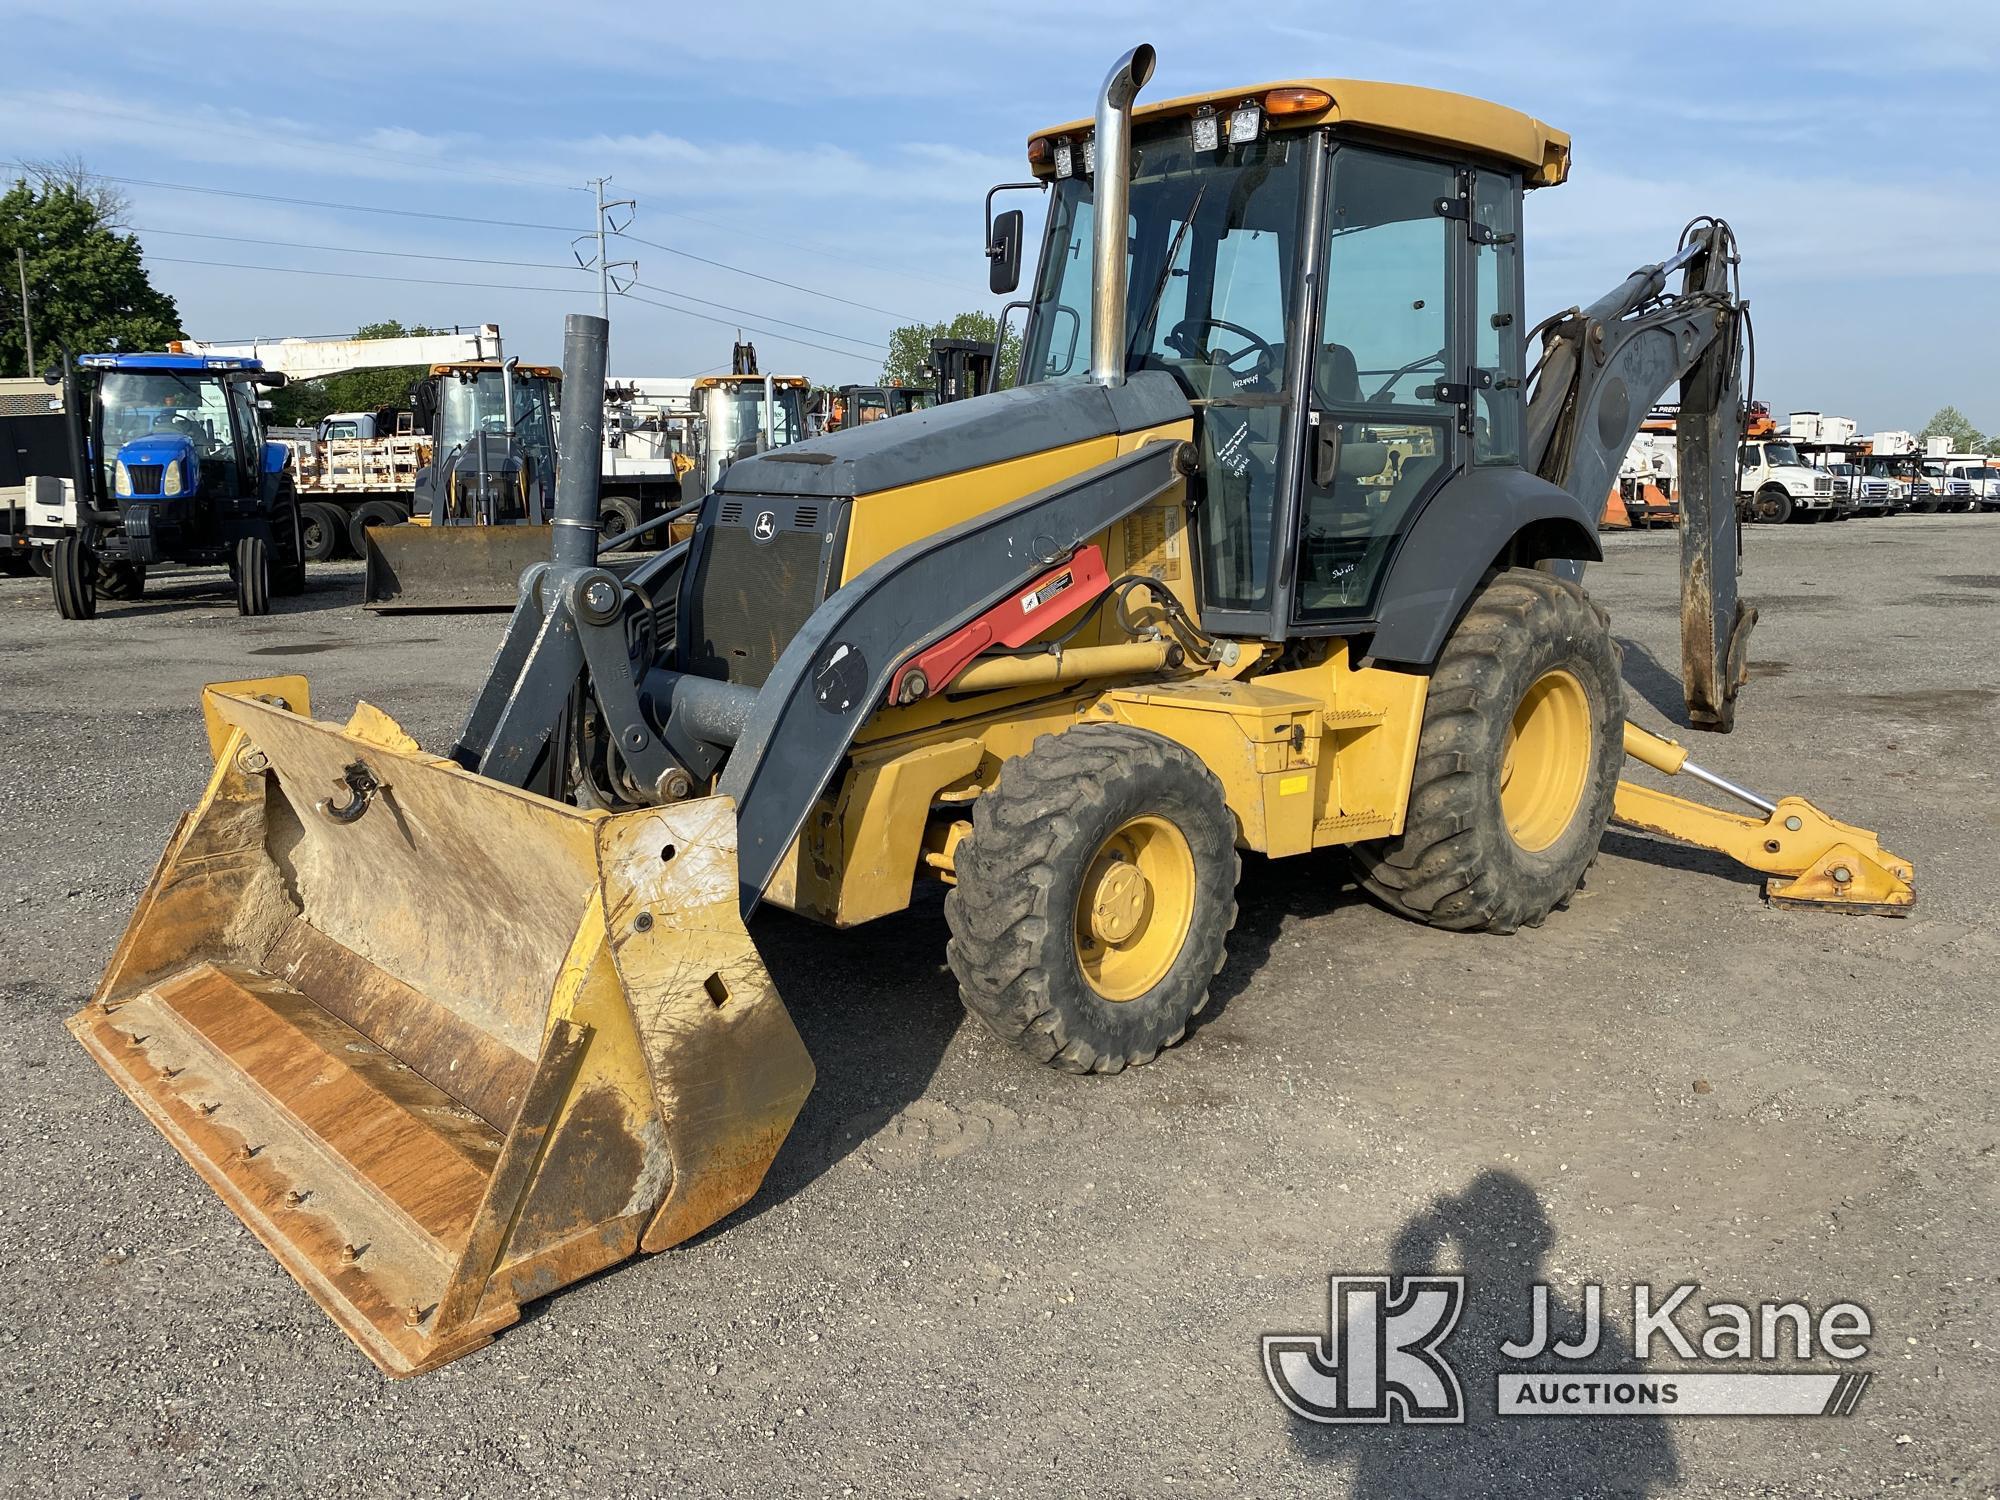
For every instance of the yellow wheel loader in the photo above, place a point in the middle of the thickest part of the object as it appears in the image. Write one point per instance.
(1276, 546)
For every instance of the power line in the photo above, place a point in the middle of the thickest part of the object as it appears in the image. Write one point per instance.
(783, 338)
(356, 208)
(774, 280)
(469, 260)
(230, 265)
(413, 213)
(751, 313)
(226, 127)
(808, 247)
(505, 286)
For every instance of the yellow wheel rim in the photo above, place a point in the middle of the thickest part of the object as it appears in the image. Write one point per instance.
(1546, 761)
(1134, 908)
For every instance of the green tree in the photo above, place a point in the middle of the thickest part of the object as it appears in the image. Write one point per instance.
(304, 402)
(1950, 422)
(87, 285)
(910, 347)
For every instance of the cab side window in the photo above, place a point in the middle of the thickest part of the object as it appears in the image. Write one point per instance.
(1496, 340)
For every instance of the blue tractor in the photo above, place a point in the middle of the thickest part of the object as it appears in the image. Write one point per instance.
(171, 465)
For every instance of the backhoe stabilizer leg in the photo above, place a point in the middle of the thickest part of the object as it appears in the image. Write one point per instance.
(1814, 860)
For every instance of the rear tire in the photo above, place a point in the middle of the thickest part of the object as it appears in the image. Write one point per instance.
(616, 515)
(253, 576)
(75, 575)
(41, 561)
(288, 557)
(1094, 898)
(371, 513)
(1517, 763)
(322, 531)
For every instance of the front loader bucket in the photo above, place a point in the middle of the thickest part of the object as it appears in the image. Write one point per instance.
(444, 1045)
(450, 567)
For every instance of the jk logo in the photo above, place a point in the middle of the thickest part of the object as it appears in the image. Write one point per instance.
(766, 526)
(1379, 1360)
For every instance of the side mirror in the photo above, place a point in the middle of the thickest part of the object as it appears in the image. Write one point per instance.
(265, 406)
(1003, 250)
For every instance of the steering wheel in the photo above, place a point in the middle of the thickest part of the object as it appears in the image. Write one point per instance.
(1183, 341)
(1388, 390)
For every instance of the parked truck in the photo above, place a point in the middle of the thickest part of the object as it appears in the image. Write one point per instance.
(33, 440)
(1775, 483)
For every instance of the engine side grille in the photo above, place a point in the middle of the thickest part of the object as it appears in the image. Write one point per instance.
(765, 565)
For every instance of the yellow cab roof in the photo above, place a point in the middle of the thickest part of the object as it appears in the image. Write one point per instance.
(545, 372)
(1433, 116)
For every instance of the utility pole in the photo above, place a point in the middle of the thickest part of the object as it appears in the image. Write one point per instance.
(27, 327)
(605, 280)
(603, 271)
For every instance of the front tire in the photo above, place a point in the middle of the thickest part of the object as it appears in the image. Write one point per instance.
(74, 573)
(253, 576)
(1773, 504)
(1094, 898)
(122, 580)
(1516, 767)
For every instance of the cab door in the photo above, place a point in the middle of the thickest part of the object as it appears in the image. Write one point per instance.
(1389, 374)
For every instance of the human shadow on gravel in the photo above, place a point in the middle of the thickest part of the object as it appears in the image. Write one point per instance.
(1497, 1234)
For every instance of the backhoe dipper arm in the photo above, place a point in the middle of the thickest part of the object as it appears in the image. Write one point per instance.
(1601, 369)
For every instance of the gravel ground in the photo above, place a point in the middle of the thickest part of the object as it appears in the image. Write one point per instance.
(970, 1276)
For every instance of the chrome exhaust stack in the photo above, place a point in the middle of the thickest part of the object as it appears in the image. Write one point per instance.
(1113, 192)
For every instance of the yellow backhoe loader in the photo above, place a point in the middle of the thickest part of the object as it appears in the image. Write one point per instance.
(1276, 546)
(483, 505)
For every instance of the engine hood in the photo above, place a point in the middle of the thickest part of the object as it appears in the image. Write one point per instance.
(158, 448)
(958, 437)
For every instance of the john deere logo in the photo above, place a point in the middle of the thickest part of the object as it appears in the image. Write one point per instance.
(765, 526)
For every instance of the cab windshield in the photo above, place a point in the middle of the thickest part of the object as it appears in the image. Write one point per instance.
(135, 404)
(1782, 455)
(1209, 271)
(1214, 238)
(736, 416)
(472, 402)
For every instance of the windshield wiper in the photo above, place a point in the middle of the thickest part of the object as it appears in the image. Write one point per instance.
(1167, 270)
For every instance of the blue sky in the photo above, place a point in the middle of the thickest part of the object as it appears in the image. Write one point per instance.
(1852, 146)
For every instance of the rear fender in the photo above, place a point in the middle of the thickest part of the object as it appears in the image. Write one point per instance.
(1479, 520)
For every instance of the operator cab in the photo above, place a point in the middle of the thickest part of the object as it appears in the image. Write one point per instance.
(732, 407)
(1343, 315)
(175, 432)
(488, 466)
